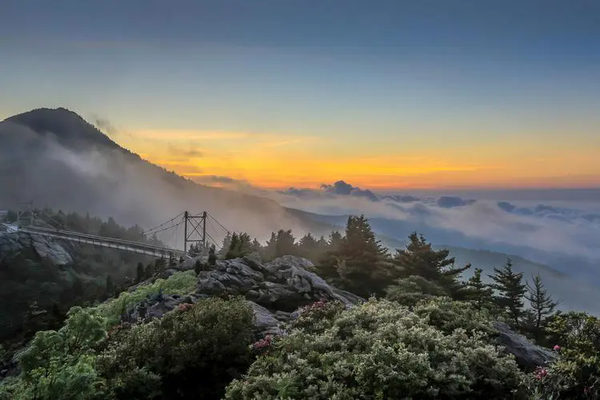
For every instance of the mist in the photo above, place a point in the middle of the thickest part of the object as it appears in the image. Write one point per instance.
(108, 181)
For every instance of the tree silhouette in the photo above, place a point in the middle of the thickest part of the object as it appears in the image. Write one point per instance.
(511, 289)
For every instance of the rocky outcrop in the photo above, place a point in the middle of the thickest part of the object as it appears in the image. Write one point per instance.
(44, 248)
(526, 353)
(274, 290)
(284, 284)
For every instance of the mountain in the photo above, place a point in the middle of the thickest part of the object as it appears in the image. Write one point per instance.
(59, 160)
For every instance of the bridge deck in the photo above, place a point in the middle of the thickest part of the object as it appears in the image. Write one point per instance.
(103, 241)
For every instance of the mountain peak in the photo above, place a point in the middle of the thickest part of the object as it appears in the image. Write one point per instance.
(69, 128)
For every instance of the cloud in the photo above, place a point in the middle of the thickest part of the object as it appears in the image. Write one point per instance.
(105, 126)
(181, 152)
(452, 201)
(345, 189)
(536, 231)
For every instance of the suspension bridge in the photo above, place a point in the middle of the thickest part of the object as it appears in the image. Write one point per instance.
(195, 233)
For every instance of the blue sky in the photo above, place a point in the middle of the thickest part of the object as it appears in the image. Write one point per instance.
(493, 82)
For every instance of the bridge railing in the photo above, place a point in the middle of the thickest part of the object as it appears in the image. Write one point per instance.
(97, 239)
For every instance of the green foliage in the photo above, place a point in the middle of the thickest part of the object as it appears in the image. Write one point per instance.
(511, 291)
(542, 307)
(212, 257)
(180, 283)
(359, 263)
(195, 351)
(479, 293)
(419, 258)
(576, 372)
(59, 364)
(26, 277)
(139, 273)
(379, 350)
(410, 291)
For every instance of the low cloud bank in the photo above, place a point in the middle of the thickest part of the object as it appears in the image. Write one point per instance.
(500, 225)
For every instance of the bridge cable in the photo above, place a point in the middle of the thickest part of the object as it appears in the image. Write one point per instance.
(215, 231)
(163, 224)
(220, 224)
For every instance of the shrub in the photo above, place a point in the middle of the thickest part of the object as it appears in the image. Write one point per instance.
(60, 364)
(409, 291)
(575, 374)
(180, 283)
(196, 352)
(379, 350)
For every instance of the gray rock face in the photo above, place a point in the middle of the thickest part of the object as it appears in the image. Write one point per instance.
(284, 284)
(55, 251)
(526, 353)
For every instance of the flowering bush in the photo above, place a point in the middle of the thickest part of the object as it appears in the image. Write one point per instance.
(185, 307)
(193, 353)
(378, 350)
(262, 344)
(317, 316)
(575, 374)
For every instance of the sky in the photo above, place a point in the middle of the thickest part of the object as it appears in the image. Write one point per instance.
(388, 95)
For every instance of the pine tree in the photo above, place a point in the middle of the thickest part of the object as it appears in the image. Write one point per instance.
(233, 250)
(255, 247)
(212, 257)
(110, 286)
(139, 275)
(226, 245)
(268, 252)
(286, 244)
(511, 290)
(307, 247)
(478, 292)
(419, 258)
(542, 305)
(363, 262)
(197, 267)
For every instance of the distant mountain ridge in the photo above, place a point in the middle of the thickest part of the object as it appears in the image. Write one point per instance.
(69, 128)
(58, 159)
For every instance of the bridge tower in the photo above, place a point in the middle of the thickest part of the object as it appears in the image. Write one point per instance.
(194, 230)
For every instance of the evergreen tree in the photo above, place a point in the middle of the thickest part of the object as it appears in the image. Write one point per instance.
(542, 306)
(478, 292)
(255, 247)
(197, 267)
(511, 290)
(234, 247)
(363, 264)
(212, 257)
(419, 258)
(226, 245)
(268, 252)
(308, 247)
(110, 286)
(286, 244)
(149, 270)
(139, 275)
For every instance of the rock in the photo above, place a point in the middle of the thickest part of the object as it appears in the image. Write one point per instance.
(43, 248)
(265, 321)
(51, 249)
(154, 307)
(527, 353)
(285, 284)
(275, 291)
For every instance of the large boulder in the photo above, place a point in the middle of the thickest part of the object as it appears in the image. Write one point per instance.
(527, 353)
(284, 284)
